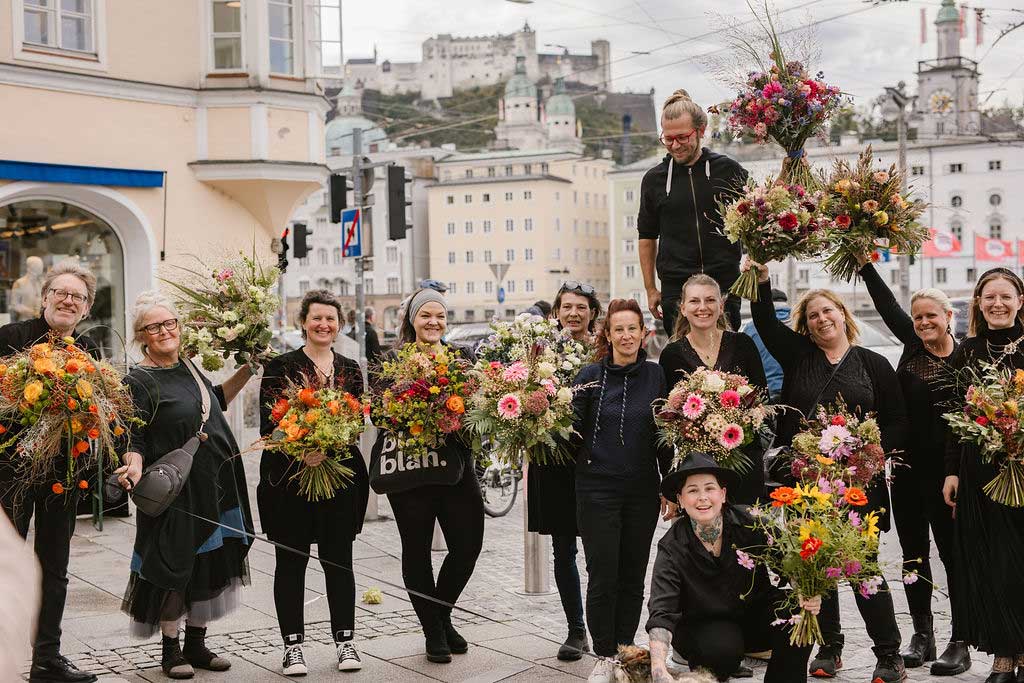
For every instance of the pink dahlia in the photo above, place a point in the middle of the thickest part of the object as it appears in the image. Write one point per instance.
(517, 372)
(536, 403)
(732, 436)
(509, 407)
(729, 399)
(694, 406)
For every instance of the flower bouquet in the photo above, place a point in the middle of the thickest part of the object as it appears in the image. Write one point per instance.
(713, 412)
(868, 210)
(64, 403)
(838, 449)
(422, 397)
(816, 538)
(524, 401)
(774, 221)
(324, 420)
(227, 313)
(990, 419)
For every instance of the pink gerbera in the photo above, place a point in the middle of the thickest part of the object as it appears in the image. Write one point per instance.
(509, 407)
(732, 436)
(729, 399)
(549, 386)
(694, 406)
(517, 372)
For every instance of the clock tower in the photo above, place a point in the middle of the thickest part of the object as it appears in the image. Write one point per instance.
(947, 87)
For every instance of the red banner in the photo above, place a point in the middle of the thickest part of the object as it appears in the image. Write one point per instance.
(992, 250)
(1020, 251)
(941, 244)
(979, 23)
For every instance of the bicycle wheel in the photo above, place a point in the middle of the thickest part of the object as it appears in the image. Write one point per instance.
(498, 487)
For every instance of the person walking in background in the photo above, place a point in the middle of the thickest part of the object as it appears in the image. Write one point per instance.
(679, 222)
(373, 350)
(772, 370)
(618, 465)
(551, 488)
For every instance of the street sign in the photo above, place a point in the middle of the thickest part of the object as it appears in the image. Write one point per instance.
(499, 270)
(351, 232)
(501, 295)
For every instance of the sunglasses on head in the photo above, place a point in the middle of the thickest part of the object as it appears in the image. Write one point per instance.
(573, 286)
(435, 285)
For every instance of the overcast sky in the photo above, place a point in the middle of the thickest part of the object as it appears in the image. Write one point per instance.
(863, 48)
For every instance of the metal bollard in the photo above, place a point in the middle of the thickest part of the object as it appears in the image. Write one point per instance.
(536, 555)
(366, 441)
(438, 542)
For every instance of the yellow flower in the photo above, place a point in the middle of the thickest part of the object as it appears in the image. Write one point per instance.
(41, 349)
(435, 390)
(1010, 407)
(821, 498)
(843, 186)
(33, 390)
(881, 218)
(84, 388)
(871, 525)
(813, 528)
(45, 366)
(69, 340)
(442, 369)
(824, 461)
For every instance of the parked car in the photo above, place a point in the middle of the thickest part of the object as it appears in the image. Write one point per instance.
(873, 335)
(961, 317)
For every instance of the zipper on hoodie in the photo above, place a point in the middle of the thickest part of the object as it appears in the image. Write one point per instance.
(696, 218)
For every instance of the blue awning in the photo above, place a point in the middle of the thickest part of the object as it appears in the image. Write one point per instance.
(80, 175)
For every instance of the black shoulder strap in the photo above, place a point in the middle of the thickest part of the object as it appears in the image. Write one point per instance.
(821, 392)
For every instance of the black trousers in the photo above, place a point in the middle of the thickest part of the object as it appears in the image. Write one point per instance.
(917, 504)
(290, 588)
(879, 617)
(671, 297)
(567, 579)
(54, 526)
(617, 527)
(460, 511)
(719, 644)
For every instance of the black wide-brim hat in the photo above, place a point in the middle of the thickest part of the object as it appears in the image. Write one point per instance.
(697, 463)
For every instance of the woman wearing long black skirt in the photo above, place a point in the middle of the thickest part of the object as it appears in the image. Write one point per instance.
(292, 520)
(822, 364)
(924, 372)
(701, 340)
(988, 603)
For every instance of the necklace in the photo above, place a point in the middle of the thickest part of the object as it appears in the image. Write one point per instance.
(835, 358)
(326, 377)
(709, 354)
(708, 534)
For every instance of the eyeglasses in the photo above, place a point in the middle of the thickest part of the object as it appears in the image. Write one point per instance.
(670, 140)
(62, 294)
(573, 286)
(170, 325)
(435, 285)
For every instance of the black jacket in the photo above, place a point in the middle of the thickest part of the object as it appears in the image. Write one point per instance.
(688, 221)
(690, 583)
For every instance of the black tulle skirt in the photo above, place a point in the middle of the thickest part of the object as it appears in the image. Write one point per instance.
(987, 600)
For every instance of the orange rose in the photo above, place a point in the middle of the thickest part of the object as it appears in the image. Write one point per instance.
(442, 369)
(416, 429)
(333, 407)
(308, 397)
(83, 484)
(90, 368)
(57, 488)
(41, 349)
(784, 495)
(45, 366)
(854, 496)
(292, 432)
(72, 366)
(455, 404)
(72, 404)
(312, 416)
(94, 433)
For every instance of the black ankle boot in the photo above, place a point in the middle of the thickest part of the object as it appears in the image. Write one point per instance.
(437, 647)
(197, 654)
(172, 661)
(955, 659)
(922, 644)
(456, 643)
(574, 646)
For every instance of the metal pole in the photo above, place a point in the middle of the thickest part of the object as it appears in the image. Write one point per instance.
(901, 136)
(791, 280)
(536, 555)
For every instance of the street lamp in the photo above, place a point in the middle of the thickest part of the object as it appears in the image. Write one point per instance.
(894, 109)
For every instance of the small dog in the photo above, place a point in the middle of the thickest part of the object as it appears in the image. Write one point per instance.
(635, 667)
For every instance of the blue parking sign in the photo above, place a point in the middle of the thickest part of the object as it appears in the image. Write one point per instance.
(351, 232)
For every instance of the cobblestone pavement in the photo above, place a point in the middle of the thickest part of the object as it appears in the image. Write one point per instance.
(515, 636)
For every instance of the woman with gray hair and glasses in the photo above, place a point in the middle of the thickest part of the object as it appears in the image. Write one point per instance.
(68, 292)
(184, 565)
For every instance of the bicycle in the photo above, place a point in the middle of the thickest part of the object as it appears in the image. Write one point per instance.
(499, 485)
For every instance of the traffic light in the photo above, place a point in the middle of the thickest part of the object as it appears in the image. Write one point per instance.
(299, 240)
(397, 203)
(282, 257)
(339, 196)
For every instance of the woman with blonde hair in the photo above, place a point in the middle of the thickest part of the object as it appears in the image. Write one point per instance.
(823, 365)
(701, 339)
(680, 222)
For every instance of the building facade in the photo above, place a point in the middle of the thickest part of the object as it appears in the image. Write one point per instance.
(625, 277)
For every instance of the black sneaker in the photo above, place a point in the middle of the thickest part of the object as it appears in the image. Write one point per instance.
(574, 646)
(58, 669)
(294, 663)
(889, 669)
(826, 664)
(348, 658)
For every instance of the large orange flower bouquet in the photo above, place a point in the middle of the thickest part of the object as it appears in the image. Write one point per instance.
(56, 400)
(325, 421)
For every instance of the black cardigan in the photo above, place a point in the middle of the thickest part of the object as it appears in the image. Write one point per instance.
(738, 355)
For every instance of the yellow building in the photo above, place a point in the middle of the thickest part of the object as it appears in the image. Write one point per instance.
(627, 280)
(139, 134)
(543, 214)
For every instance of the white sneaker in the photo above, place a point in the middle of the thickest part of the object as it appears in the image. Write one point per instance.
(602, 672)
(294, 664)
(348, 658)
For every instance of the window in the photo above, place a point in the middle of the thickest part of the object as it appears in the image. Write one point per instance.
(972, 274)
(447, 175)
(630, 196)
(957, 228)
(392, 285)
(470, 289)
(575, 226)
(468, 198)
(894, 277)
(343, 288)
(575, 255)
(67, 25)
(369, 285)
(304, 261)
(587, 259)
(917, 170)
(508, 170)
(586, 199)
(508, 196)
(544, 167)
(558, 196)
(630, 271)
(527, 169)
(510, 255)
(469, 227)
(321, 257)
(510, 286)
(558, 225)
(629, 246)
(995, 165)
(528, 225)
(469, 173)
(940, 276)
(337, 256)
(485, 198)
(995, 199)
(489, 289)
(804, 275)
(487, 227)
(392, 254)
(469, 257)
(586, 227)
(487, 256)
(556, 254)
(956, 201)
(510, 225)
(452, 289)
(528, 285)
(282, 36)
(630, 222)
(449, 199)
(451, 257)
(527, 194)
(956, 168)
(490, 171)
(575, 197)
(528, 254)
(995, 229)
(303, 286)
(451, 228)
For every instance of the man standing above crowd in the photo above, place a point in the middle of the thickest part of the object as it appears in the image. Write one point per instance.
(680, 220)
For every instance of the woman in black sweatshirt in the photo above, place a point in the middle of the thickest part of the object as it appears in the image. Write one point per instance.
(822, 363)
(701, 340)
(924, 374)
(618, 466)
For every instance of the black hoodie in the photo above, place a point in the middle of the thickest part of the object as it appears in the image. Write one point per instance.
(687, 221)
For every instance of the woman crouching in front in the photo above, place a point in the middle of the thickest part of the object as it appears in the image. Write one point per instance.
(699, 602)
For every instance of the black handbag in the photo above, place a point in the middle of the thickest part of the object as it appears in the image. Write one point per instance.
(162, 481)
(392, 471)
